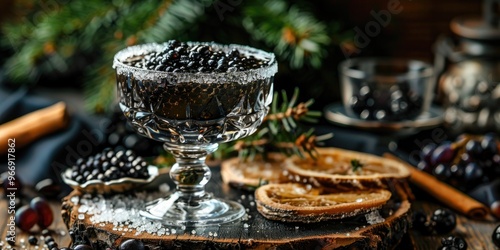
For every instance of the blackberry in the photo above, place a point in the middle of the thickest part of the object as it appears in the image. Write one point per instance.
(33, 240)
(474, 148)
(473, 174)
(422, 223)
(442, 172)
(52, 244)
(83, 247)
(48, 239)
(453, 242)
(110, 165)
(489, 144)
(132, 244)
(178, 56)
(10, 242)
(419, 221)
(443, 221)
(46, 232)
(495, 237)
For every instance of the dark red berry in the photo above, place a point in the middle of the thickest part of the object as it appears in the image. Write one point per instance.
(442, 154)
(45, 214)
(26, 218)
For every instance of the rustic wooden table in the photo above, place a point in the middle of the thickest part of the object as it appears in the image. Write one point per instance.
(476, 233)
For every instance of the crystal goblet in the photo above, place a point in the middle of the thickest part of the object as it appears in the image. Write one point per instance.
(191, 113)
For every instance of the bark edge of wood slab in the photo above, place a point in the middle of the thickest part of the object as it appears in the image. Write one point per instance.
(385, 235)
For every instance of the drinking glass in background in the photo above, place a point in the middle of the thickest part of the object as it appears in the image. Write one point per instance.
(387, 90)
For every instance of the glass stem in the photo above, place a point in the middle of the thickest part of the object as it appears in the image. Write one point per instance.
(190, 173)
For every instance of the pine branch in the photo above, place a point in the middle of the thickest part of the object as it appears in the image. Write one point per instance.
(295, 35)
(281, 131)
(169, 20)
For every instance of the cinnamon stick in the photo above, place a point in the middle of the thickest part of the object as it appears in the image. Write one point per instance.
(444, 192)
(32, 126)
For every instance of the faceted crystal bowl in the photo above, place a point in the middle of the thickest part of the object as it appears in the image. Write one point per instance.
(194, 108)
(192, 113)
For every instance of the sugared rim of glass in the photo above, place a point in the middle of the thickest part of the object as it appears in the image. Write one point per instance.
(362, 68)
(264, 72)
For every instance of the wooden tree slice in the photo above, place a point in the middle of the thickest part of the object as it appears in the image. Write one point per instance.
(253, 232)
(333, 168)
(251, 174)
(294, 202)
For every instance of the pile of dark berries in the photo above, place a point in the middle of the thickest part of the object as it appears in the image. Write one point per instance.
(464, 163)
(110, 165)
(396, 104)
(178, 56)
(51, 244)
(453, 243)
(441, 221)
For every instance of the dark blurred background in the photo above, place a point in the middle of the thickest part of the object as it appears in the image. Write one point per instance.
(66, 55)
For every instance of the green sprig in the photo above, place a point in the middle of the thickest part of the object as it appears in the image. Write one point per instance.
(356, 165)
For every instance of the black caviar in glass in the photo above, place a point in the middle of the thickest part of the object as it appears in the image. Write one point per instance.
(181, 57)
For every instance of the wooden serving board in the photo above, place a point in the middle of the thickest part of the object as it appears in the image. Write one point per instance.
(256, 232)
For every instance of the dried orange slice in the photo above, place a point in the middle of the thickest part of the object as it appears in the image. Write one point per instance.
(251, 174)
(334, 168)
(294, 202)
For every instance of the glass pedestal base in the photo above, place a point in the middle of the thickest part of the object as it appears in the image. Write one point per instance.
(207, 211)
